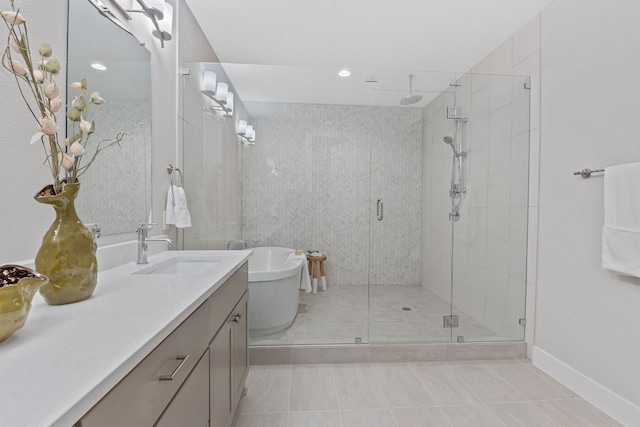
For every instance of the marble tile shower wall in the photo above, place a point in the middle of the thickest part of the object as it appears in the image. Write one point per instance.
(490, 241)
(112, 175)
(313, 178)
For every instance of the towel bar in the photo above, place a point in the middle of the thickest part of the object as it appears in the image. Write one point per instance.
(586, 173)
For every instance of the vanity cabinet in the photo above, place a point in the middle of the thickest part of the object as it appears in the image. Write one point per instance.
(240, 349)
(229, 365)
(194, 377)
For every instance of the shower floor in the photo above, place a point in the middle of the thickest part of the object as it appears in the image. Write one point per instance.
(340, 315)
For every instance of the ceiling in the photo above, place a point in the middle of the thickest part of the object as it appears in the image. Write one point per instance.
(291, 50)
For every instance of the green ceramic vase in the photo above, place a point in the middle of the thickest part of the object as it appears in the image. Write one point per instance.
(68, 252)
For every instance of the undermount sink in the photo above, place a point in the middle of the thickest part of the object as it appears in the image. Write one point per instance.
(182, 265)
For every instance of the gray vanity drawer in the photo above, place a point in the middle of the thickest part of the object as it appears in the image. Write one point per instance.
(141, 397)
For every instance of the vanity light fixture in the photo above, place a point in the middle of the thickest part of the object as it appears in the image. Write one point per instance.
(218, 92)
(98, 66)
(344, 73)
(164, 32)
(246, 133)
(161, 14)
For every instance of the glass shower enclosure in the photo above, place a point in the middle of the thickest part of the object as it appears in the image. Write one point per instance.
(340, 166)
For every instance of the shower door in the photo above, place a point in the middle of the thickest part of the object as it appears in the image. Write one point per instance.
(489, 247)
(434, 278)
(306, 185)
(402, 310)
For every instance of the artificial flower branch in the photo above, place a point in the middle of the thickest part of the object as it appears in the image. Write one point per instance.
(40, 81)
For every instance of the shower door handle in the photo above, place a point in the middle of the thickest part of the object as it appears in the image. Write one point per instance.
(380, 209)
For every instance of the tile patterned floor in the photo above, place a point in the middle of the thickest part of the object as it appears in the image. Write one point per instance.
(494, 393)
(340, 314)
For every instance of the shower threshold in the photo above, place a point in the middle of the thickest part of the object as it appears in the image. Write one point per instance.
(384, 353)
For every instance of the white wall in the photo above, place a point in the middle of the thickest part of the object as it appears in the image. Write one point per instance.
(587, 317)
(23, 220)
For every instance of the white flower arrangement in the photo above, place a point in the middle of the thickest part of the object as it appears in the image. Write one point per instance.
(34, 77)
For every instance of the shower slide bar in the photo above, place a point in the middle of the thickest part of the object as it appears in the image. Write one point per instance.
(586, 173)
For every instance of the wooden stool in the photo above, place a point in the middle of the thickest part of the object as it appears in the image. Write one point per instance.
(315, 263)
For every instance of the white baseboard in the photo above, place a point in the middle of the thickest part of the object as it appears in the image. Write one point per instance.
(617, 407)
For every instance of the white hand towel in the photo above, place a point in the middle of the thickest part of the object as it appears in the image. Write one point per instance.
(305, 280)
(169, 215)
(181, 211)
(621, 229)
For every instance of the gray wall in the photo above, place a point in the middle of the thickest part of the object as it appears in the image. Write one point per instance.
(587, 317)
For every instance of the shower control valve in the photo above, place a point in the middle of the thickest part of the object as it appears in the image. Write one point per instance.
(454, 215)
(457, 191)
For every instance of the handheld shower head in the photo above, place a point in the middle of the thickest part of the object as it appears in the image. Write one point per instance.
(449, 141)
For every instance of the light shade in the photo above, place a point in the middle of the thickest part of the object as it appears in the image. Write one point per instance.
(165, 24)
(229, 105)
(156, 7)
(209, 84)
(221, 92)
(250, 133)
(242, 127)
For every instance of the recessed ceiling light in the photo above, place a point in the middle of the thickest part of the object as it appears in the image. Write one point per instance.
(98, 66)
(344, 73)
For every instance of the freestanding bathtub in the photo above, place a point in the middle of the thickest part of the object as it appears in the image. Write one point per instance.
(274, 291)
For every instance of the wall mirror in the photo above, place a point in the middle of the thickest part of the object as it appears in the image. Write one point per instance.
(116, 190)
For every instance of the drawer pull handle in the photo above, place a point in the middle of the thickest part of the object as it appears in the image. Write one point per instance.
(236, 318)
(182, 359)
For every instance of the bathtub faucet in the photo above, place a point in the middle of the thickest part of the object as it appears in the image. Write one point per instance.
(242, 243)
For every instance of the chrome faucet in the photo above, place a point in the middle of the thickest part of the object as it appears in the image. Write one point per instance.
(143, 230)
(96, 230)
(243, 244)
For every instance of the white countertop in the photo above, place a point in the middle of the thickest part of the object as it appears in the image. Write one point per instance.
(66, 358)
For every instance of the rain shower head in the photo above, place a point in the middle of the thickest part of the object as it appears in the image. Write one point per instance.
(410, 99)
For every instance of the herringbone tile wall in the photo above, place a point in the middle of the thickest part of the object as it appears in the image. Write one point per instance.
(116, 191)
(313, 178)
